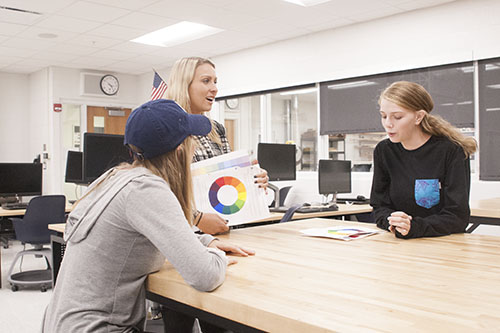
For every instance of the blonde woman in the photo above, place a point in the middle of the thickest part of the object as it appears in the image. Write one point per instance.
(193, 84)
(131, 219)
(421, 177)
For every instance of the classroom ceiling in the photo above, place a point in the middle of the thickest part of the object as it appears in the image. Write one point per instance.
(96, 34)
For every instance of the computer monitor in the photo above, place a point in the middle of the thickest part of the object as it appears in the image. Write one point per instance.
(278, 160)
(334, 177)
(74, 168)
(102, 152)
(20, 179)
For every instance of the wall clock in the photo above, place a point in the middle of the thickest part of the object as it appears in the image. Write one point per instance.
(109, 84)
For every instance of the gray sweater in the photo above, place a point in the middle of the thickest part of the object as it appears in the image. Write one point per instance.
(116, 236)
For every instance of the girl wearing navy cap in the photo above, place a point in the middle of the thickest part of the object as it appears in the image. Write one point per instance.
(131, 219)
(193, 84)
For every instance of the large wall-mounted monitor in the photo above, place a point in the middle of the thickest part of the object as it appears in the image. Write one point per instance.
(74, 168)
(20, 179)
(102, 152)
(334, 177)
(278, 160)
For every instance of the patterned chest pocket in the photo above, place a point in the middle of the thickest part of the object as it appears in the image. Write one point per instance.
(427, 192)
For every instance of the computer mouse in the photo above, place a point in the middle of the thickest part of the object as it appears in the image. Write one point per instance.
(360, 197)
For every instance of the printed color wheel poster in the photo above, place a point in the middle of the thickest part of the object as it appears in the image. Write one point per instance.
(226, 187)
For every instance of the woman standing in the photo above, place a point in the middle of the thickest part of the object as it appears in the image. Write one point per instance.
(193, 84)
(421, 177)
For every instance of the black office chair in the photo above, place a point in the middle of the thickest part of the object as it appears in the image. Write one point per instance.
(283, 193)
(33, 229)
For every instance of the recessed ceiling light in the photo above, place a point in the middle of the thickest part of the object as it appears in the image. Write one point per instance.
(306, 3)
(47, 35)
(299, 91)
(176, 34)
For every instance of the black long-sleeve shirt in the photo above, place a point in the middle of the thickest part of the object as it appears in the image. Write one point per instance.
(430, 183)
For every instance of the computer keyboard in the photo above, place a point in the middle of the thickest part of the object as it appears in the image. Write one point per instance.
(15, 206)
(316, 209)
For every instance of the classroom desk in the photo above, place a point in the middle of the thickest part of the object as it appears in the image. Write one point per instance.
(380, 283)
(486, 211)
(58, 244)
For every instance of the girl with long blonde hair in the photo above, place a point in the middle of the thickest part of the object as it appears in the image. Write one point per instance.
(193, 84)
(421, 178)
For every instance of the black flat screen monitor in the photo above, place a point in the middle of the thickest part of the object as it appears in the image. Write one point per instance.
(102, 152)
(334, 177)
(74, 168)
(278, 160)
(20, 179)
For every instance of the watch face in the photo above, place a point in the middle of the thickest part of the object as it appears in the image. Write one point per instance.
(109, 84)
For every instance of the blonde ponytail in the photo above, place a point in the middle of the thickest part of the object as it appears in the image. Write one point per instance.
(436, 125)
(412, 96)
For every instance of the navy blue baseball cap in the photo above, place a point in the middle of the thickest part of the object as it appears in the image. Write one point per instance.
(159, 126)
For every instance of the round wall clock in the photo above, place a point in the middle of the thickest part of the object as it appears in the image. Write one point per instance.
(232, 103)
(109, 84)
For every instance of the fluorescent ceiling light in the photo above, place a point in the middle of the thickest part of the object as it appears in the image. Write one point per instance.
(464, 103)
(176, 34)
(299, 91)
(494, 86)
(491, 67)
(492, 109)
(351, 85)
(306, 3)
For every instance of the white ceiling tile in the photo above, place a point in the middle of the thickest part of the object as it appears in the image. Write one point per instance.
(68, 24)
(21, 68)
(55, 55)
(335, 23)
(91, 62)
(3, 39)
(7, 60)
(13, 16)
(136, 47)
(114, 54)
(15, 52)
(78, 50)
(45, 7)
(10, 29)
(125, 4)
(94, 12)
(143, 21)
(117, 32)
(94, 41)
(34, 32)
(30, 44)
(375, 14)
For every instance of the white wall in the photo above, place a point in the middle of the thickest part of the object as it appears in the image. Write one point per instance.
(454, 32)
(15, 118)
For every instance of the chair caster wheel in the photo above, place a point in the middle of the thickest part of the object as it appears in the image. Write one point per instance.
(14, 288)
(43, 289)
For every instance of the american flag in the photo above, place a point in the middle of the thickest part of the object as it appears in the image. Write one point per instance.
(159, 87)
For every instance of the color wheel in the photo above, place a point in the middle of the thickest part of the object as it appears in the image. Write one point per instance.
(238, 203)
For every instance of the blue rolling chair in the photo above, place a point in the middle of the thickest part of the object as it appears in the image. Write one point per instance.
(33, 229)
(289, 213)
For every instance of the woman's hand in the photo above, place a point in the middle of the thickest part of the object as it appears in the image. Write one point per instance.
(231, 249)
(401, 222)
(212, 224)
(261, 178)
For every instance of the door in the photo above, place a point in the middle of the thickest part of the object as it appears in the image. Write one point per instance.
(107, 120)
(229, 124)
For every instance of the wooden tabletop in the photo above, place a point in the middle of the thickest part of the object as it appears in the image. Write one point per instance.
(486, 208)
(379, 283)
